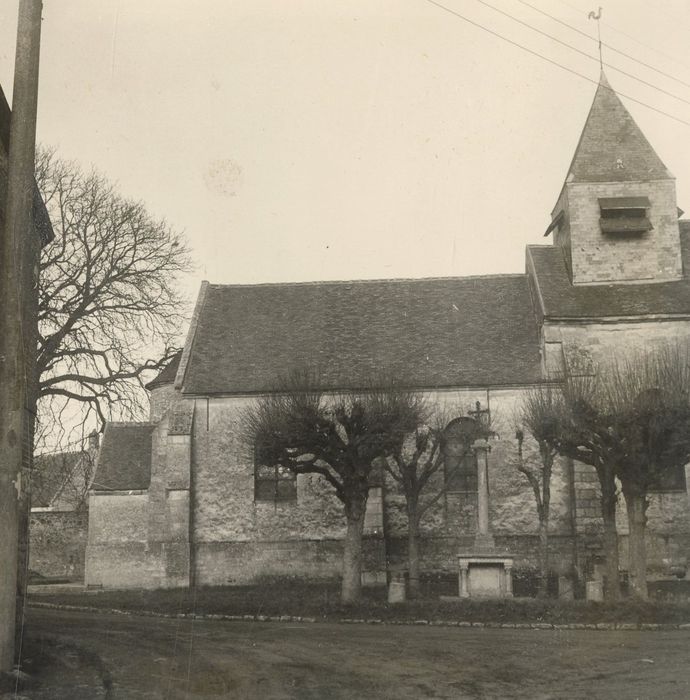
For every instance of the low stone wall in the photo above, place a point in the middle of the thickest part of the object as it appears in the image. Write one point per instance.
(440, 554)
(228, 563)
(128, 565)
(57, 543)
(223, 563)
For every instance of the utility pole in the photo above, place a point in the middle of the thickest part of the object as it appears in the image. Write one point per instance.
(15, 353)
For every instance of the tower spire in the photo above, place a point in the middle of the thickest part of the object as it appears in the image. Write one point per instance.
(612, 148)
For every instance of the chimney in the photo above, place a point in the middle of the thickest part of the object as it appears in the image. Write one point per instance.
(94, 439)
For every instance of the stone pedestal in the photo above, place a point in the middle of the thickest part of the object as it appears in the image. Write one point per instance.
(594, 591)
(484, 571)
(485, 575)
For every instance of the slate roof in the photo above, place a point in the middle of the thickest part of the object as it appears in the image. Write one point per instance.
(124, 460)
(610, 134)
(474, 331)
(41, 219)
(559, 298)
(167, 374)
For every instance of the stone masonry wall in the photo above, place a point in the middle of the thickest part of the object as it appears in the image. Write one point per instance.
(605, 258)
(238, 539)
(58, 543)
(168, 526)
(161, 398)
(585, 347)
(118, 554)
(562, 234)
(512, 512)
(141, 539)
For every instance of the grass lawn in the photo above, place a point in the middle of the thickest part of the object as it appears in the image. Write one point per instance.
(322, 601)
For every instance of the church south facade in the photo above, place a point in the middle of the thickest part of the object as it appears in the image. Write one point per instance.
(181, 500)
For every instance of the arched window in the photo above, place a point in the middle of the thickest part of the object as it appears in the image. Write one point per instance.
(459, 460)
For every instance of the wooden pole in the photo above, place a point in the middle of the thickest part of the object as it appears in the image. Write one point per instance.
(13, 331)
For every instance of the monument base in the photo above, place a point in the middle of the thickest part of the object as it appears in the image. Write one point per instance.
(485, 575)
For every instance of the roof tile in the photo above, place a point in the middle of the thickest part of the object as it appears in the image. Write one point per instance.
(612, 148)
(167, 374)
(475, 331)
(124, 460)
(562, 299)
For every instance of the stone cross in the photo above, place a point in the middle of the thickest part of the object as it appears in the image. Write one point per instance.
(483, 539)
(481, 448)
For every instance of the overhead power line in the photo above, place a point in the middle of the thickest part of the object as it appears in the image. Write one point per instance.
(551, 61)
(582, 53)
(603, 43)
(669, 57)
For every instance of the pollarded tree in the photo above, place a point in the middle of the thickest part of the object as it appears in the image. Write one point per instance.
(540, 414)
(339, 438)
(109, 308)
(419, 466)
(631, 421)
(576, 431)
(645, 408)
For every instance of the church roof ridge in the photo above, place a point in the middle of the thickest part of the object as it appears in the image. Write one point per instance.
(376, 280)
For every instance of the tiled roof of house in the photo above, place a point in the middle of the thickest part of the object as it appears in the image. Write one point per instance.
(474, 331)
(124, 461)
(612, 148)
(561, 299)
(59, 476)
(40, 214)
(167, 374)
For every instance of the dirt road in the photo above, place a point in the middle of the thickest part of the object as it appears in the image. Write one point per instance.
(140, 657)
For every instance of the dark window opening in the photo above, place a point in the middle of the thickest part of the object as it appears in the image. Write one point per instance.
(461, 474)
(273, 483)
(459, 460)
(624, 215)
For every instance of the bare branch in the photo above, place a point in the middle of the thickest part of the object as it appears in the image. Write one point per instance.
(107, 294)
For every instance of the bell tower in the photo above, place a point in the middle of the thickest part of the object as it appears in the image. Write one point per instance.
(616, 218)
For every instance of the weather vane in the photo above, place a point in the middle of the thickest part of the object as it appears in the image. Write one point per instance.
(597, 17)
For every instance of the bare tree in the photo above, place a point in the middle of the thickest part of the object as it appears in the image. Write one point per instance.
(540, 415)
(644, 407)
(572, 427)
(338, 437)
(631, 421)
(62, 479)
(109, 308)
(417, 465)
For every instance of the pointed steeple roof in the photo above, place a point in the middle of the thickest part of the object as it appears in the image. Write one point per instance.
(612, 148)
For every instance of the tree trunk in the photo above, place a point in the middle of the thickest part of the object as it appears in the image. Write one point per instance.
(413, 555)
(543, 557)
(636, 506)
(612, 589)
(352, 557)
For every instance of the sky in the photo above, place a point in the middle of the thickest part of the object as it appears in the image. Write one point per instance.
(296, 140)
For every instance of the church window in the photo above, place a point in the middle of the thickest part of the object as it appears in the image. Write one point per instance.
(273, 483)
(459, 460)
(554, 359)
(624, 215)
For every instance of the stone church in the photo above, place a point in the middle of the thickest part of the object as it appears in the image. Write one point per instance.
(181, 499)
